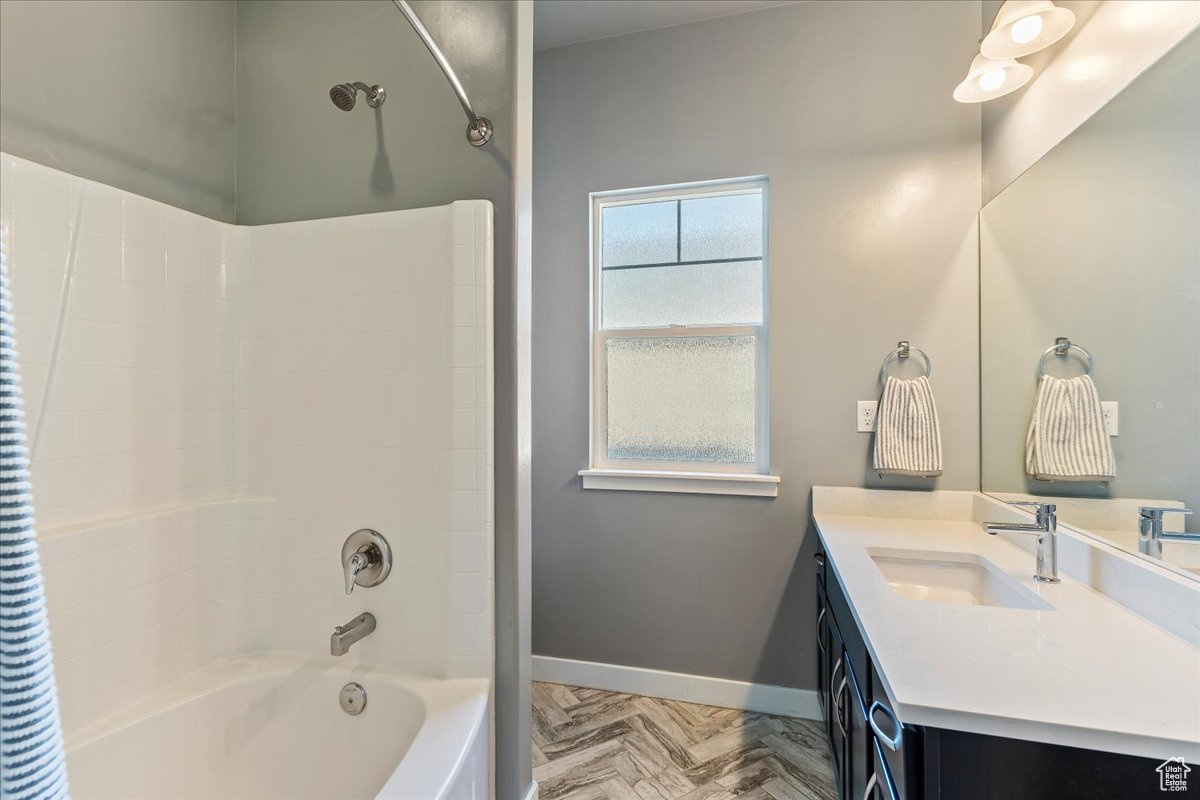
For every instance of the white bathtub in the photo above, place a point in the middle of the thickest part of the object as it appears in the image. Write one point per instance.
(271, 727)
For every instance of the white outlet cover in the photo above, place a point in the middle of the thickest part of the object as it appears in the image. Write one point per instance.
(1111, 420)
(865, 415)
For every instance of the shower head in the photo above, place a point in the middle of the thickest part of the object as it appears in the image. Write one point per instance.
(344, 95)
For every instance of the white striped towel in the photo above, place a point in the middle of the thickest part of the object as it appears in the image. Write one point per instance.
(1067, 439)
(31, 750)
(908, 435)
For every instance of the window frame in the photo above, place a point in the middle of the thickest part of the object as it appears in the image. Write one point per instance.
(741, 476)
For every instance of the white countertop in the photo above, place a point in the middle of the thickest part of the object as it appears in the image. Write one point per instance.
(1090, 673)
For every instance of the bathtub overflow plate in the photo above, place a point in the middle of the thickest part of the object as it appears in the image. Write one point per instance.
(353, 698)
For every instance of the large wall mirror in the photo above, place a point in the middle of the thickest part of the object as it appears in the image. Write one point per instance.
(1098, 244)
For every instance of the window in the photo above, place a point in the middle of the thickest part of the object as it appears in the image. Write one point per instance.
(679, 339)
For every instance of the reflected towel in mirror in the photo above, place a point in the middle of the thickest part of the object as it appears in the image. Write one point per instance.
(1067, 438)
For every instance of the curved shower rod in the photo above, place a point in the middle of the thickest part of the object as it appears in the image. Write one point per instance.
(479, 129)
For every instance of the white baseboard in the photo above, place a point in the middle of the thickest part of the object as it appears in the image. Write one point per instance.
(760, 697)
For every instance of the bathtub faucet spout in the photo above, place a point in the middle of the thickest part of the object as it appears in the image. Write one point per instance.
(346, 635)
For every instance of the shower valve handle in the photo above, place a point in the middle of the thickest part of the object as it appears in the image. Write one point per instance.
(366, 559)
(357, 563)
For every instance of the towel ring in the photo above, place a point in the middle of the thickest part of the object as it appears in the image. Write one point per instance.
(1061, 347)
(904, 350)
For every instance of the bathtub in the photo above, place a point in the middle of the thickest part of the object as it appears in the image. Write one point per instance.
(272, 727)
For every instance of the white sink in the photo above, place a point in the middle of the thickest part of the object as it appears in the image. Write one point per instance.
(962, 578)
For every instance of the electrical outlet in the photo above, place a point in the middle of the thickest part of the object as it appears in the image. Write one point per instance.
(1110, 417)
(866, 415)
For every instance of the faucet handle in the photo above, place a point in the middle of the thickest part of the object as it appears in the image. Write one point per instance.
(1156, 512)
(1047, 507)
(1047, 513)
(354, 565)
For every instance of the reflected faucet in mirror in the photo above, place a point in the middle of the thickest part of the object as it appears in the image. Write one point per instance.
(1151, 534)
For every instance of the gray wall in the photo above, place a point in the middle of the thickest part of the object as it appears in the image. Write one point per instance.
(299, 157)
(1098, 241)
(157, 120)
(874, 189)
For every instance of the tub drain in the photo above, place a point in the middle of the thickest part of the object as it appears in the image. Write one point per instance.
(353, 698)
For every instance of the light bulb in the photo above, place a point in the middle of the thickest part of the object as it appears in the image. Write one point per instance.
(1026, 29)
(991, 80)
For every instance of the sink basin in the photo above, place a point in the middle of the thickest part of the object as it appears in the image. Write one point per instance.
(961, 578)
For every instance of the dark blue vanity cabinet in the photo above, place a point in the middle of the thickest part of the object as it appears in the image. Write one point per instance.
(876, 757)
(866, 763)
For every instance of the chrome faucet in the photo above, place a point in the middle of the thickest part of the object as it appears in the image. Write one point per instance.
(1151, 534)
(1045, 528)
(345, 635)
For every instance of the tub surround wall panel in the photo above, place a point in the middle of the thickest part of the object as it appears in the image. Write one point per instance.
(138, 96)
(138, 412)
(369, 406)
(137, 601)
(874, 185)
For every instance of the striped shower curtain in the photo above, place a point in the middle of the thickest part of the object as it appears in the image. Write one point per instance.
(32, 765)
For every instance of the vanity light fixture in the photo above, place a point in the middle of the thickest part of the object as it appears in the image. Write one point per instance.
(1022, 27)
(990, 78)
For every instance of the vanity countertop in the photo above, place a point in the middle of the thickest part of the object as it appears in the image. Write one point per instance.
(1090, 673)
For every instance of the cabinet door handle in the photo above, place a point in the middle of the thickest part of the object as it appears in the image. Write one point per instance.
(870, 792)
(890, 742)
(820, 640)
(819, 558)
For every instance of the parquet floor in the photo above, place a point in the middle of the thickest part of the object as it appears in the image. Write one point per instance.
(595, 745)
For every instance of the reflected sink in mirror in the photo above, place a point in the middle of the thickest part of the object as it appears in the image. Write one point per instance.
(960, 578)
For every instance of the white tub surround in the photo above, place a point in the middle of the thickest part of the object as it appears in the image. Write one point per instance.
(282, 735)
(1072, 675)
(216, 408)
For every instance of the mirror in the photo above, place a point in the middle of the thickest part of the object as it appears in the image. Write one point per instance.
(1099, 242)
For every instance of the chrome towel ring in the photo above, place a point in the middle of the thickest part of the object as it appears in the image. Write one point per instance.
(1062, 347)
(904, 350)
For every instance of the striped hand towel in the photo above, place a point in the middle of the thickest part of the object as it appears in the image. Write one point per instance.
(31, 754)
(908, 435)
(1067, 439)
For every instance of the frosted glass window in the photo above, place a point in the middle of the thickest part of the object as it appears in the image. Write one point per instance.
(640, 233)
(682, 398)
(688, 294)
(719, 228)
(679, 280)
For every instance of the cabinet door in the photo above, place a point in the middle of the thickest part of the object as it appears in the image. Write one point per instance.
(838, 706)
(823, 660)
(859, 739)
(880, 785)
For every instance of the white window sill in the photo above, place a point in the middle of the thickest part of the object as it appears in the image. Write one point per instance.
(652, 480)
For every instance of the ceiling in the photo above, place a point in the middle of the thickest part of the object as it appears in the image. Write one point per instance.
(559, 22)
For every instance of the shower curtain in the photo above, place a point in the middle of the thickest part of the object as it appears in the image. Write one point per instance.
(32, 765)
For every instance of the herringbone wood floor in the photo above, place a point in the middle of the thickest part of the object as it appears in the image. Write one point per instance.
(594, 745)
